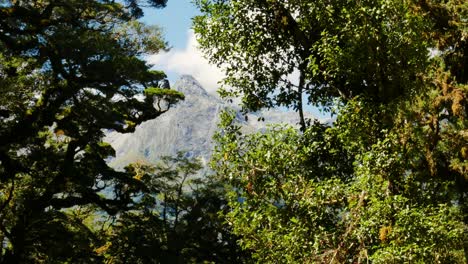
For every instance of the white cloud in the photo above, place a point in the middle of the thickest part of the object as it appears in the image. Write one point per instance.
(189, 61)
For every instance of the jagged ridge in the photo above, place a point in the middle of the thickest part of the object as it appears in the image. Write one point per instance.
(188, 127)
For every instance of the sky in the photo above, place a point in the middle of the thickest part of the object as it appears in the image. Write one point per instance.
(184, 57)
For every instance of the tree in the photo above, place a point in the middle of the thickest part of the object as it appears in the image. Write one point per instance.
(347, 193)
(339, 49)
(177, 219)
(69, 70)
(387, 181)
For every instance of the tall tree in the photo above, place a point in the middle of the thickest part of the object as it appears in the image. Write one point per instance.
(69, 71)
(337, 48)
(387, 182)
(348, 193)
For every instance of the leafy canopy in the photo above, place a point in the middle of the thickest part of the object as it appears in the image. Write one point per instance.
(387, 181)
(277, 52)
(69, 71)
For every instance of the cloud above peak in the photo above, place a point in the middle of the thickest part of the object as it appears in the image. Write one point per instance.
(189, 61)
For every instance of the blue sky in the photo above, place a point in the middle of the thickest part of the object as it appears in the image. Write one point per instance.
(175, 19)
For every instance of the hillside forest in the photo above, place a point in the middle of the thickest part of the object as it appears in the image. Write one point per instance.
(385, 182)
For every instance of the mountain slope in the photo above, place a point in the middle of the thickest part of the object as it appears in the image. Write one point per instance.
(188, 127)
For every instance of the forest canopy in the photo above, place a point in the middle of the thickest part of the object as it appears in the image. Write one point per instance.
(69, 71)
(385, 182)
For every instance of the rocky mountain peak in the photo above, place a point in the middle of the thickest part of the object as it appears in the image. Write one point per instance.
(188, 85)
(188, 127)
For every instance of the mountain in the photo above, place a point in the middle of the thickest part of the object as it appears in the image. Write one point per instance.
(188, 127)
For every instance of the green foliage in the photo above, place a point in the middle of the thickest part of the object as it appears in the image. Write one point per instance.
(322, 196)
(387, 182)
(339, 49)
(164, 93)
(279, 209)
(176, 220)
(69, 70)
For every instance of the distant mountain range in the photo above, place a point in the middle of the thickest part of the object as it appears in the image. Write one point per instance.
(188, 126)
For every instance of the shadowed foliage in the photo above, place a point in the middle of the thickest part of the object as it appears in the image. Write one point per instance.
(69, 70)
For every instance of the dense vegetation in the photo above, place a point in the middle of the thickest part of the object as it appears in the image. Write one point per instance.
(70, 71)
(385, 183)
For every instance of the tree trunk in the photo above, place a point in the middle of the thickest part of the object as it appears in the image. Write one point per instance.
(300, 104)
